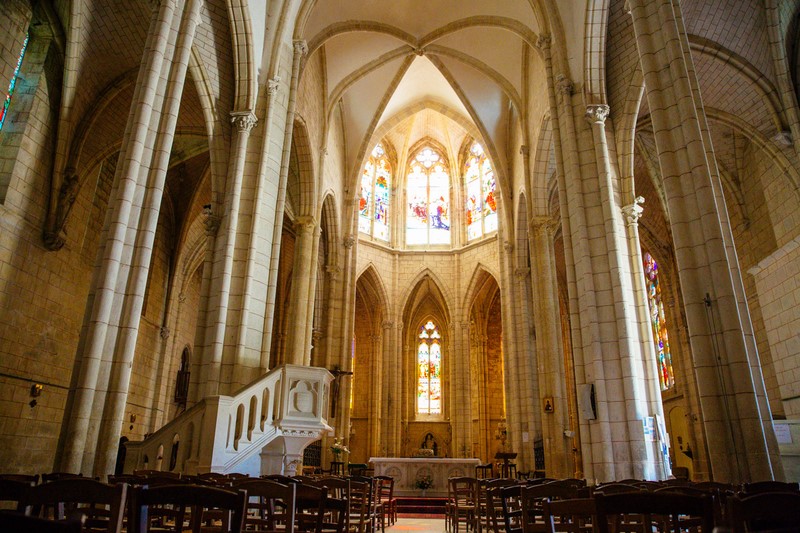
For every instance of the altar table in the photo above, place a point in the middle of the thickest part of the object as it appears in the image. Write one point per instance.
(405, 470)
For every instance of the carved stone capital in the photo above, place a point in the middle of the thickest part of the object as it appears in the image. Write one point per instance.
(273, 84)
(522, 273)
(633, 212)
(543, 41)
(164, 333)
(300, 47)
(305, 224)
(212, 223)
(524, 150)
(349, 241)
(597, 113)
(626, 7)
(243, 120)
(538, 226)
(564, 85)
(388, 324)
(508, 246)
(56, 236)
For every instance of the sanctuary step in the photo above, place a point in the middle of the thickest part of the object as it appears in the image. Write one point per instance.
(410, 507)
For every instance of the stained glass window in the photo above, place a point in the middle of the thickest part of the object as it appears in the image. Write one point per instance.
(657, 320)
(429, 373)
(12, 84)
(373, 204)
(428, 190)
(481, 207)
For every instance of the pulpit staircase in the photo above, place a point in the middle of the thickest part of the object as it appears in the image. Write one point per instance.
(263, 428)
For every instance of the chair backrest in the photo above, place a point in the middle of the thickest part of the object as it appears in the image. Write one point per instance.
(186, 503)
(359, 505)
(280, 478)
(103, 504)
(56, 476)
(571, 516)
(30, 479)
(533, 496)
(766, 511)
(511, 504)
(157, 473)
(616, 488)
(10, 521)
(770, 486)
(310, 507)
(385, 488)
(484, 471)
(13, 492)
(270, 505)
(649, 511)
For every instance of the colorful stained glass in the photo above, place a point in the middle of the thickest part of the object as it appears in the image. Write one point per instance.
(481, 207)
(428, 193)
(373, 203)
(658, 322)
(429, 370)
(13, 83)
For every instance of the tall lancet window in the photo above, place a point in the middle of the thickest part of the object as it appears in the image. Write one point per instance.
(373, 205)
(481, 208)
(429, 370)
(13, 83)
(657, 320)
(428, 190)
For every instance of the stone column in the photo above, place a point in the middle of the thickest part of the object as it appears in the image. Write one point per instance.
(302, 272)
(376, 383)
(300, 48)
(100, 327)
(741, 442)
(217, 370)
(390, 388)
(459, 408)
(550, 358)
(155, 179)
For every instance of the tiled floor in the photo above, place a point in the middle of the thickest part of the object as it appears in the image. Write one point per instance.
(418, 525)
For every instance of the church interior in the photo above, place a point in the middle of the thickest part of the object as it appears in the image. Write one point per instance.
(245, 235)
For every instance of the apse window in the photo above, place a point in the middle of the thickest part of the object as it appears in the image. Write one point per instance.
(373, 204)
(429, 370)
(658, 322)
(428, 194)
(481, 206)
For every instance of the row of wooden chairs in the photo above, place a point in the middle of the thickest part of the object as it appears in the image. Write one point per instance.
(504, 505)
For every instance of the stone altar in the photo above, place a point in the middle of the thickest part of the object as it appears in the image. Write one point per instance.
(405, 470)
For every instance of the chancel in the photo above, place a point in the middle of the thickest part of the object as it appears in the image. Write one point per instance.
(550, 238)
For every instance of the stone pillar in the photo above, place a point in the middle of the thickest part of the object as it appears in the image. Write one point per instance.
(389, 390)
(300, 50)
(303, 270)
(99, 336)
(460, 401)
(546, 316)
(155, 179)
(217, 370)
(741, 442)
(374, 418)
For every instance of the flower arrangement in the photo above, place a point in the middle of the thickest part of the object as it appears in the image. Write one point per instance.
(337, 448)
(423, 481)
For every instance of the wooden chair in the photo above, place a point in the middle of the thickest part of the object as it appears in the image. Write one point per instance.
(358, 520)
(533, 496)
(101, 503)
(387, 499)
(30, 479)
(56, 476)
(511, 504)
(182, 508)
(17, 522)
(569, 516)
(463, 502)
(494, 520)
(765, 511)
(374, 508)
(484, 471)
(338, 490)
(758, 487)
(617, 488)
(649, 511)
(270, 505)
(12, 493)
(310, 508)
